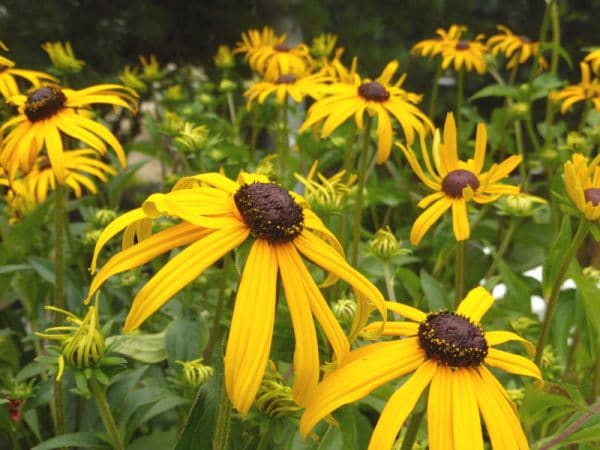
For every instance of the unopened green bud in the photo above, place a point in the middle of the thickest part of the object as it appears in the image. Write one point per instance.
(576, 141)
(129, 278)
(344, 310)
(91, 237)
(195, 373)
(384, 245)
(522, 324)
(224, 57)
(521, 205)
(274, 397)
(227, 86)
(519, 110)
(86, 346)
(103, 217)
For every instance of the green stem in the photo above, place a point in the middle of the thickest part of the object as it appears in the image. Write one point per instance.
(389, 280)
(284, 142)
(360, 187)
(215, 328)
(223, 419)
(99, 394)
(596, 378)
(459, 274)
(434, 91)
(459, 101)
(593, 410)
(531, 132)
(580, 234)
(521, 151)
(231, 108)
(413, 429)
(512, 227)
(553, 67)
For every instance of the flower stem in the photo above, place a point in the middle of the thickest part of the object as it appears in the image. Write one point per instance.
(594, 409)
(459, 274)
(214, 330)
(389, 280)
(284, 142)
(361, 182)
(459, 101)
(434, 91)
(580, 234)
(521, 151)
(105, 413)
(512, 227)
(221, 435)
(553, 66)
(413, 429)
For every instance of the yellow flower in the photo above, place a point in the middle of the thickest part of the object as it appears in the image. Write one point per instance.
(224, 57)
(323, 45)
(78, 164)
(273, 61)
(448, 352)
(516, 49)
(456, 182)
(582, 181)
(62, 57)
(20, 199)
(286, 85)
(434, 47)
(587, 89)
(51, 110)
(218, 215)
(150, 68)
(593, 58)
(379, 97)
(192, 137)
(131, 78)
(8, 83)
(466, 54)
(254, 39)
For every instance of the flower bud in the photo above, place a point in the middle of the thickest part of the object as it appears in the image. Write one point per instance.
(195, 373)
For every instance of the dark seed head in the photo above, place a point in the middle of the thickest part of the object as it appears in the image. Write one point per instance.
(454, 183)
(44, 102)
(270, 212)
(286, 79)
(462, 45)
(592, 195)
(3, 68)
(282, 48)
(452, 340)
(44, 163)
(373, 91)
(525, 39)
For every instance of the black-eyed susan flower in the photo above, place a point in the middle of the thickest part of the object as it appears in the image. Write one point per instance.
(151, 70)
(323, 46)
(582, 182)
(254, 39)
(587, 90)
(218, 215)
(224, 58)
(355, 97)
(132, 79)
(79, 164)
(447, 351)
(275, 60)
(593, 59)
(456, 182)
(50, 112)
(286, 85)
(465, 54)
(62, 57)
(8, 74)
(433, 47)
(516, 48)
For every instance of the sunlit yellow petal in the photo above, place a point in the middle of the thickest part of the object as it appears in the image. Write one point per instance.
(427, 219)
(477, 302)
(465, 415)
(500, 337)
(512, 363)
(460, 220)
(440, 415)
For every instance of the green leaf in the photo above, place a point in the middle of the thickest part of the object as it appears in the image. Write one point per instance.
(14, 268)
(556, 256)
(85, 439)
(518, 292)
(496, 90)
(43, 266)
(147, 348)
(436, 295)
(184, 339)
(587, 294)
(555, 47)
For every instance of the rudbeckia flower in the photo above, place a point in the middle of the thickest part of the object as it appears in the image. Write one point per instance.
(275, 60)
(593, 59)
(62, 57)
(254, 39)
(456, 182)
(434, 47)
(582, 181)
(587, 89)
(8, 83)
(287, 85)
(465, 54)
(450, 353)
(218, 215)
(50, 111)
(380, 97)
(516, 49)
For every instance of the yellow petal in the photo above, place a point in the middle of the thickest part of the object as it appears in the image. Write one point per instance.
(251, 330)
(512, 363)
(476, 304)
(449, 154)
(480, 144)
(181, 270)
(378, 364)
(440, 415)
(465, 415)
(406, 311)
(427, 219)
(500, 337)
(390, 329)
(460, 220)
(384, 134)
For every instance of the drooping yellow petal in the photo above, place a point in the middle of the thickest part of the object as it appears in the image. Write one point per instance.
(440, 415)
(476, 304)
(500, 337)
(379, 363)
(390, 329)
(427, 219)
(384, 134)
(399, 406)
(181, 270)
(406, 311)
(505, 167)
(306, 351)
(512, 363)
(449, 152)
(212, 179)
(460, 220)
(251, 330)
(465, 415)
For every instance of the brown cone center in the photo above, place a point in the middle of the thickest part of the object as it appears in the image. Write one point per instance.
(270, 212)
(592, 195)
(462, 45)
(525, 39)
(286, 79)
(282, 48)
(44, 102)
(452, 340)
(454, 183)
(373, 91)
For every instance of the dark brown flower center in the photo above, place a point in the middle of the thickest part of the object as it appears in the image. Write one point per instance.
(44, 102)
(270, 212)
(282, 48)
(454, 183)
(44, 163)
(525, 39)
(286, 79)
(373, 91)
(592, 195)
(462, 45)
(4, 68)
(452, 340)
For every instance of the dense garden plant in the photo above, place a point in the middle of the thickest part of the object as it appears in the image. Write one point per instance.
(297, 255)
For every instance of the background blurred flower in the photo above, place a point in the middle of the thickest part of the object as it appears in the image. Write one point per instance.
(587, 89)
(62, 57)
(8, 83)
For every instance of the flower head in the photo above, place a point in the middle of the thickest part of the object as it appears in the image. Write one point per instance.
(465, 54)
(62, 57)
(355, 96)
(433, 47)
(9, 75)
(224, 58)
(51, 110)
(516, 48)
(593, 59)
(582, 181)
(323, 45)
(447, 351)
(456, 182)
(151, 70)
(587, 90)
(254, 39)
(217, 215)
(195, 373)
(131, 78)
(273, 61)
